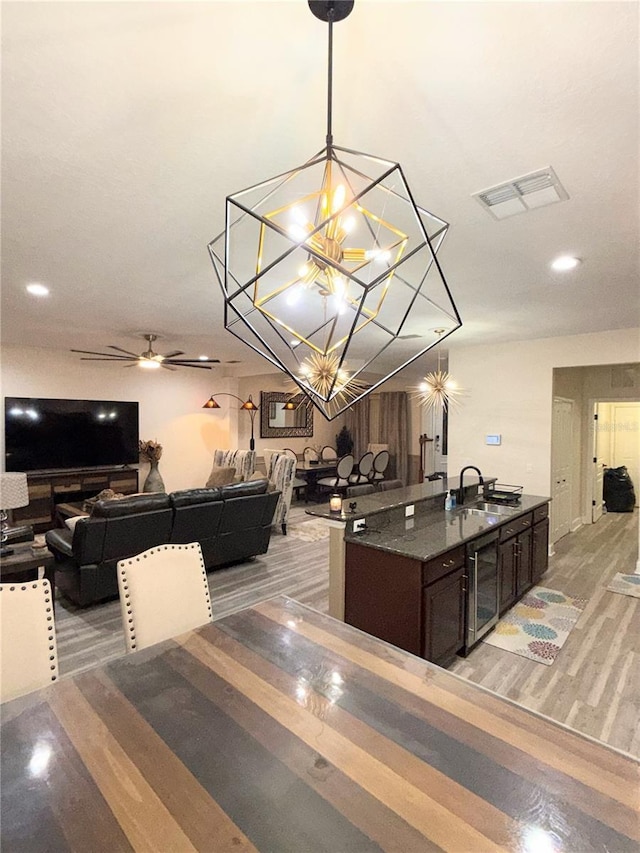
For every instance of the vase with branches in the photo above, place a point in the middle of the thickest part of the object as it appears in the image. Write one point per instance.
(151, 451)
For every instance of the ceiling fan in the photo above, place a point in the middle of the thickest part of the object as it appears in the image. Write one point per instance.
(149, 358)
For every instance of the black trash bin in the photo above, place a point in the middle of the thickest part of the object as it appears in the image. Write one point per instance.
(618, 491)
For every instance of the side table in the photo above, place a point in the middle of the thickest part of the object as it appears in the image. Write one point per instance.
(20, 566)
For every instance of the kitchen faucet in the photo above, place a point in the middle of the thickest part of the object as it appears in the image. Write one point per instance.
(460, 495)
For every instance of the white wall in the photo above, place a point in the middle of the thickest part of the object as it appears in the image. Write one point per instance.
(509, 390)
(170, 404)
(324, 431)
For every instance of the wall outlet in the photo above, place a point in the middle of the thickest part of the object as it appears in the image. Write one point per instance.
(359, 524)
(409, 511)
(409, 523)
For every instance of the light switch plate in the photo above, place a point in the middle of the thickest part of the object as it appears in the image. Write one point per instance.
(409, 511)
(493, 439)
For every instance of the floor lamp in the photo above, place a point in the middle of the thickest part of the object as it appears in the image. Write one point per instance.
(247, 406)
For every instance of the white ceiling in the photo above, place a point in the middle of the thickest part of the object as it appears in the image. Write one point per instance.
(125, 125)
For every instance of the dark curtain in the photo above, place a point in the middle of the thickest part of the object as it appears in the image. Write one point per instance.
(357, 421)
(394, 429)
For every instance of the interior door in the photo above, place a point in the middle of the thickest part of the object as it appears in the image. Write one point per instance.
(625, 434)
(599, 464)
(562, 429)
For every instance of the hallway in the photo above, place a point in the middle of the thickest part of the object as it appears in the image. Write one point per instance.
(594, 685)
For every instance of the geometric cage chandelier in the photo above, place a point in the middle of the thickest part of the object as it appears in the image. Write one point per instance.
(329, 271)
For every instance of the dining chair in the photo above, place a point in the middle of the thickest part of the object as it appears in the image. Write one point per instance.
(380, 463)
(387, 485)
(290, 452)
(163, 593)
(363, 469)
(340, 481)
(329, 454)
(28, 654)
(359, 490)
(310, 454)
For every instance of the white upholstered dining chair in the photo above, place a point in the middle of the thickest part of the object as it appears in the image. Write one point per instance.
(28, 654)
(163, 593)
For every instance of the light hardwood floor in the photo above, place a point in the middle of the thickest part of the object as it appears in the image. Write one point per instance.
(593, 686)
(594, 683)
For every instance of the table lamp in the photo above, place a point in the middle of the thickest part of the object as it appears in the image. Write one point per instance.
(13, 494)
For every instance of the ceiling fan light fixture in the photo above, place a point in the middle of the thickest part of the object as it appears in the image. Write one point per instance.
(148, 359)
(565, 263)
(331, 263)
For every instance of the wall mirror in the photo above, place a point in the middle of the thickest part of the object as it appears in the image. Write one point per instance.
(276, 422)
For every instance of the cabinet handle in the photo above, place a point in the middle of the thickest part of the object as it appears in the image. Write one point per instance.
(509, 530)
(449, 563)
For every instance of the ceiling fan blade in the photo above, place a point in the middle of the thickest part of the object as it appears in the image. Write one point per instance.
(195, 361)
(183, 364)
(91, 352)
(167, 366)
(134, 354)
(106, 358)
(172, 354)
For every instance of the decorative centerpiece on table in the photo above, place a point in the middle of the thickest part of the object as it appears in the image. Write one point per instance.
(151, 451)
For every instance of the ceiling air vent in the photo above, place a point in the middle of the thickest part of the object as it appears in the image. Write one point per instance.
(536, 189)
(624, 376)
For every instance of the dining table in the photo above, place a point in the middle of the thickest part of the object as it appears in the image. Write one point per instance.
(311, 472)
(278, 728)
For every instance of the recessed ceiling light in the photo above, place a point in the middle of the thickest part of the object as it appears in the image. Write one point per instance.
(37, 289)
(564, 263)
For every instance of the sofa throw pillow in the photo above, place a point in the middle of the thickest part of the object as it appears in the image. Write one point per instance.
(71, 522)
(220, 477)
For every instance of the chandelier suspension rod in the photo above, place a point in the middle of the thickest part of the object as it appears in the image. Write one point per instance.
(330, 82)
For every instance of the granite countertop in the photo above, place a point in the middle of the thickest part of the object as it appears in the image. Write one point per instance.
(434, 530)
(378, 501)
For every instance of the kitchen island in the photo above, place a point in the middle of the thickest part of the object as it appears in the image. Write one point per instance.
(429, 580)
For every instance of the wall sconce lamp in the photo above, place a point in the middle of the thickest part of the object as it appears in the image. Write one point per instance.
(246, 405)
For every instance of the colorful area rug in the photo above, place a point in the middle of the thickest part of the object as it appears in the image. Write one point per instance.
(538, 625)
(309, 531)
(625, 584)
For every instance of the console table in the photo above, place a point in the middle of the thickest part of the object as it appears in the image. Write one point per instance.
(47, 489)
(20, 566)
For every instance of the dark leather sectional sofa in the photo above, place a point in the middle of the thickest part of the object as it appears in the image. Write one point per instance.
(231, 523)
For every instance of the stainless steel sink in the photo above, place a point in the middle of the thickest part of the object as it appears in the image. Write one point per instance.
(492, 509)
(484, 508)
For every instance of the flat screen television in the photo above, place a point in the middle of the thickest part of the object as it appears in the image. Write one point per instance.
(47, 434)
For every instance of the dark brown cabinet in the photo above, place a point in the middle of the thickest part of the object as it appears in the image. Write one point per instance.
(539, 550)
(444, 617)
(507, 572)
(514, 559)
(419, 607)
(46, 490)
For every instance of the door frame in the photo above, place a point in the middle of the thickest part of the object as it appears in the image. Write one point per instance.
(588, 454)
(557, 398)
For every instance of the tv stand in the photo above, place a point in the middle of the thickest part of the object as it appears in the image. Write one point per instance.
(47, 489)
